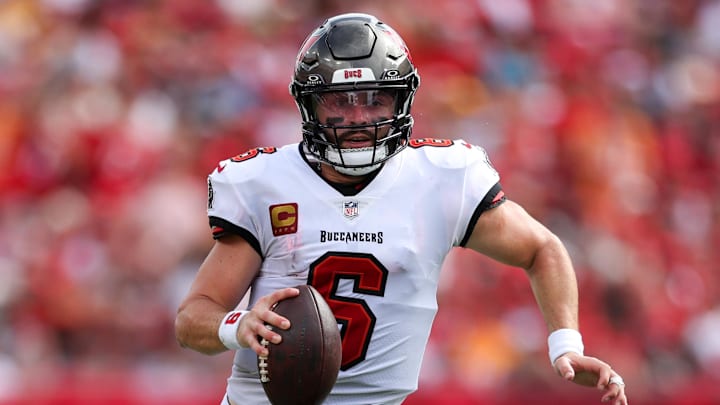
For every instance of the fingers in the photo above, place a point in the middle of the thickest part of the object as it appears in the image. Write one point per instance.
(564, 368)
(260, 322)
(579, 369)
(604, 374)
(615, 390)
(593, 372)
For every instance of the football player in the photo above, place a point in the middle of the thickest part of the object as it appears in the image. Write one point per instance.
(365, 214)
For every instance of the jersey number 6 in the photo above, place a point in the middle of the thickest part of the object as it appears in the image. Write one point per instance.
(368, 276)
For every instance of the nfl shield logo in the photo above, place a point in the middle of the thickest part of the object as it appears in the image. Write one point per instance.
(350, 209)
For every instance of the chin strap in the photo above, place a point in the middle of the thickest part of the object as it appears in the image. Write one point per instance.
(362, 159)
(357, 171)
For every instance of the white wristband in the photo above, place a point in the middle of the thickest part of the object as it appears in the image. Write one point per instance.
(228, 329)
(564, 341)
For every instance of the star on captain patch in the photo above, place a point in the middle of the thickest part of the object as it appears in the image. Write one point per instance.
(350, 209)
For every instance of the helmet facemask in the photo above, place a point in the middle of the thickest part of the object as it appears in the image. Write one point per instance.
(355, 131)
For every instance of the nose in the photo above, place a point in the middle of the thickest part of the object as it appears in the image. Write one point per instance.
(358, 115)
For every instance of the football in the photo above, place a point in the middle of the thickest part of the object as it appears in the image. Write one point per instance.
(303, 367)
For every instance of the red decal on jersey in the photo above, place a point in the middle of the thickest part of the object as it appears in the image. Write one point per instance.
(220, 168)
(233, 318)
(284, 218)
(499, 196)
(369, 277)
(416, 143)
(252, 153)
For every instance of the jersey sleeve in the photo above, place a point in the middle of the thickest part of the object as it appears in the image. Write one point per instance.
(481, 190)
(227, 209)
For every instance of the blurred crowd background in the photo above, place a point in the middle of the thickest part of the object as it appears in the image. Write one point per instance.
(603, 118)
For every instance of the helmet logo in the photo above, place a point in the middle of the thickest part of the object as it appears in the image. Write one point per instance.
(391, 74)
(350, 73)
(353, 75)
(314, 80)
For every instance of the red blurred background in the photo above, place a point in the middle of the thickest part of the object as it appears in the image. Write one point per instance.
(603, 119)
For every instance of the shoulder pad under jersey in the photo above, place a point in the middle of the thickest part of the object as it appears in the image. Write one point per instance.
(244, 166)
(451, 154)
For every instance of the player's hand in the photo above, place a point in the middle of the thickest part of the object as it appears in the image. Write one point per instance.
(592, 372)
(253, 324)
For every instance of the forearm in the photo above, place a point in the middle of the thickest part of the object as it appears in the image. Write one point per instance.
(554, 284)
(222, 280)
(197, 323)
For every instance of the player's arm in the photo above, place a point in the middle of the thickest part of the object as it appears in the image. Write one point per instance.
(507, 233)
(221, 282)
(510, 235)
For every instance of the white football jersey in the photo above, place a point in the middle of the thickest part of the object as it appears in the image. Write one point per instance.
(374, 256)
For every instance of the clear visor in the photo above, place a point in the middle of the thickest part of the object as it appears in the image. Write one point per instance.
(381, 101)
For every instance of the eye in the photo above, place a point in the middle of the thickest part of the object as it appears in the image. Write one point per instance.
(340, 101)
(383, 99)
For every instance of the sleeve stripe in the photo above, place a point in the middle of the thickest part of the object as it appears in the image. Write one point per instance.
(499, 196)
(221, 227)
(492, 199)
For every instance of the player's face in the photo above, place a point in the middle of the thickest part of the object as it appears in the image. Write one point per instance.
(364, 108)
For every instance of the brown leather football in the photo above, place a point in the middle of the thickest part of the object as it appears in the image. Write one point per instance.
(302, 369)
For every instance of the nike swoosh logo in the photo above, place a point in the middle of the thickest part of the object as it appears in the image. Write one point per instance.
(220, 168)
